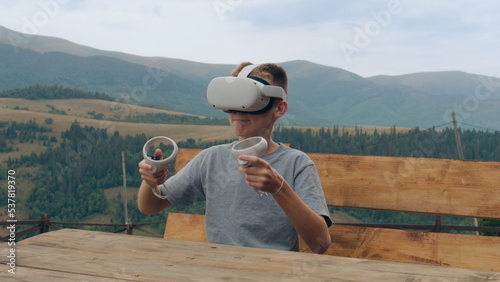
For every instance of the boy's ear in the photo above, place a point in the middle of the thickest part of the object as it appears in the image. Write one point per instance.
(281, 109)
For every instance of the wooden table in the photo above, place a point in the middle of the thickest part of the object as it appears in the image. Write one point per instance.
(79, 255)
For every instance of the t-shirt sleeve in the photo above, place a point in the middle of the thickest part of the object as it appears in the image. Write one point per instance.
(186, 187)
(308, 188)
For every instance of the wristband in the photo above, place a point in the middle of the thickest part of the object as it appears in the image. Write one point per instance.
(282, 182)
(163, 191)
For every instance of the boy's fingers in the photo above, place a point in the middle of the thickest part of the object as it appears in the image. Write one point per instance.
(158, 154)
(253, 160)
(144, 165)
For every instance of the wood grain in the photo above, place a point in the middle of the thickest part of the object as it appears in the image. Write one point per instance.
(74, 254)
(184, 156)
(420, 185)
(441, 249)
(190, 227)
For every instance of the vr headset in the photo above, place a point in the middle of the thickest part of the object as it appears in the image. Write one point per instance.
(243, 93)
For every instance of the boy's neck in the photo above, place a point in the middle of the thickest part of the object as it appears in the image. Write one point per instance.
(272, 146)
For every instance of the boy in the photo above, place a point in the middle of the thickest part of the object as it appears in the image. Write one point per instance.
(235, 214)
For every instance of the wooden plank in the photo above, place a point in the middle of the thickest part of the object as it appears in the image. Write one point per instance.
(421, 185)
(441, 249)
(144, 258)
(190, 227)
(184, 156)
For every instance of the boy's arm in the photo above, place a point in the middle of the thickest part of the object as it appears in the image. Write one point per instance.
(310, 226)
(147, 202)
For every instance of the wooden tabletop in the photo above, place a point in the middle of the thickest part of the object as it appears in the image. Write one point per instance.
(79, 255)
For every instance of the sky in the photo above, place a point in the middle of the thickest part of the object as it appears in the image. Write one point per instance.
(390, 37)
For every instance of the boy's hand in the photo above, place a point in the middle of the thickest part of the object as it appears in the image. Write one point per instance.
(152, 179)
(260, 174)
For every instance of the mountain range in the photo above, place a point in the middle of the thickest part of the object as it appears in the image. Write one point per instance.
(319, 95)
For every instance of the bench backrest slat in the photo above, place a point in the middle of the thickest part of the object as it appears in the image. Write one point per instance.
(184, 156)
(420, 185)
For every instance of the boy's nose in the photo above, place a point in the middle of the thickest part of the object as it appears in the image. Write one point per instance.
(236, 113)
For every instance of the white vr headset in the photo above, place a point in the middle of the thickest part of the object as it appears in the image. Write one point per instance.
(243, 93)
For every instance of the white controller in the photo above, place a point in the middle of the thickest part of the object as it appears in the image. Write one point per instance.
(253, 146)
(159, 164)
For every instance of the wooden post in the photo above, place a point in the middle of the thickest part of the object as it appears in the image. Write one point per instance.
(457, 137)
(130, 227)
(473, 221)
(124, 196)
(437, 225)
(45, 223)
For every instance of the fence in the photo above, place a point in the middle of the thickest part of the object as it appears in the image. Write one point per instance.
(45, 224)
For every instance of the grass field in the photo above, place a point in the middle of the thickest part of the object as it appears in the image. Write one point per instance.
(23, 110)
(81, 107)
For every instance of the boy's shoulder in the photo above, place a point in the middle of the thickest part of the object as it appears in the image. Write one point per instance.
(290, 150)
(285, 152)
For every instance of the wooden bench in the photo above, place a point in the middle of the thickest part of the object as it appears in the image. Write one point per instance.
(416, 185)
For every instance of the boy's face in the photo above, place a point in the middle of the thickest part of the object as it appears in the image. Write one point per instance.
(248, 125)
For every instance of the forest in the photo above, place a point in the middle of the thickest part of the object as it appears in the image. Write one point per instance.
(429, 143)
(176, 119)
(72, 177)
(42, 91)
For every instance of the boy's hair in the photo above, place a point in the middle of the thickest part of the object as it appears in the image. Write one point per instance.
(273, 73)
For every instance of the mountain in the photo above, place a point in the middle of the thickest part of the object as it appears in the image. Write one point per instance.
(319, 95)
(437, 83)
(42, 44)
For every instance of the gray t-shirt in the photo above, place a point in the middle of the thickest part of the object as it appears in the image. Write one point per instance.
(235, 214)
